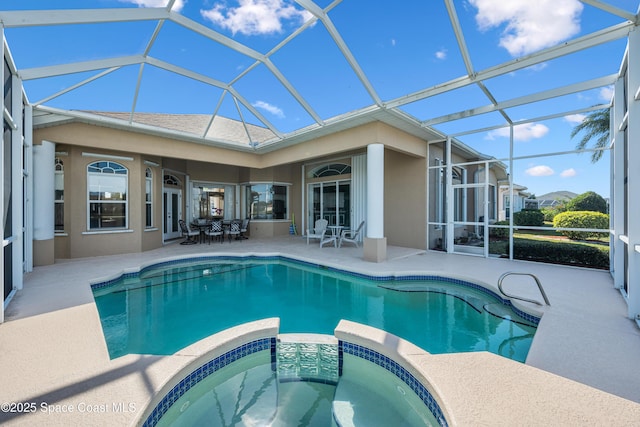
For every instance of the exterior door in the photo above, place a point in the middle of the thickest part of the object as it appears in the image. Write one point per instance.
(172, 205)
(331, 201)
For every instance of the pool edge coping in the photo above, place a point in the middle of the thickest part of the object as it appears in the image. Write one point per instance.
(527, 311)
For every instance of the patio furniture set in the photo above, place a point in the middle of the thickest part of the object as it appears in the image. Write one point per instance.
(202, 230)
(335, 234)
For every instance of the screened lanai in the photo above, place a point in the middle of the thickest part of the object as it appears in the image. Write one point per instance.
(493, 92)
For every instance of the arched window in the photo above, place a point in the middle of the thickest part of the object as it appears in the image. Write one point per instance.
(331, 170)
(107, 184)
(171, 180)
(148, 181)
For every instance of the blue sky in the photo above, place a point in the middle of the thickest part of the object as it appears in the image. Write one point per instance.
(401, 48)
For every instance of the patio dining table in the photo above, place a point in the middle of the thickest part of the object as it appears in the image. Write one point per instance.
(335, 234)
(202, 226)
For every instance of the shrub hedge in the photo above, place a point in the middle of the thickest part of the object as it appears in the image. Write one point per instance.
(589, 201)
(551, 212)
(532, 217)
(499, 233)
(562, 253)
(582, 219)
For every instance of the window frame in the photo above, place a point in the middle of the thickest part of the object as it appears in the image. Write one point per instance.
(248, 190)
(106, 165)
(148, 191)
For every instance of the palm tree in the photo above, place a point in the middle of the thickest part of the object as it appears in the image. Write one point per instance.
(595, 125)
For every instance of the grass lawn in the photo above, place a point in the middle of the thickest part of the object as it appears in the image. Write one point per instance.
(500, 246)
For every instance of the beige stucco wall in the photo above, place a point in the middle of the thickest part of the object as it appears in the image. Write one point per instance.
(109, 242)
(97, 137)
(404, 169)
(405, 199)
(43, 252)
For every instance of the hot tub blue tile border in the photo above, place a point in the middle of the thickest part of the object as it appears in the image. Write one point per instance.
(269, 344)
(527, 316)
(204, 371)
(399, 371)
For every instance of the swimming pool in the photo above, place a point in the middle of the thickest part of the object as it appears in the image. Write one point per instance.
(168, 306)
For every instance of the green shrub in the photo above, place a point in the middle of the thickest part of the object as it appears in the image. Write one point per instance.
(499, 233)
(576, 254)
(532, 217)
(551, 212)
(582, 219)
(589, 201)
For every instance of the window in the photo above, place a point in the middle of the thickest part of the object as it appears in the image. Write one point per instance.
(331, 170)
(172, 180)
(267, 201)
(148, 189)
(59, 195)
(492, 202)
(107, 184)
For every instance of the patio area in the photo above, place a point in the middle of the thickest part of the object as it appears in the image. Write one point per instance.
(586, 350)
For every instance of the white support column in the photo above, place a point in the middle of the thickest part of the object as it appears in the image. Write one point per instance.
(17, 204)
(28, 203)
(375, 244)
(511, 192)
(2, 79)
(449, 203)
(44, 195)
(616, 202)
(302, 220)
(633, 177)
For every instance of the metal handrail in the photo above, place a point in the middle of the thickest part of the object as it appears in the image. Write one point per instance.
(509, 273)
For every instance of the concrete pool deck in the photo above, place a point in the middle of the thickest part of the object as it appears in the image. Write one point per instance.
(583, 366)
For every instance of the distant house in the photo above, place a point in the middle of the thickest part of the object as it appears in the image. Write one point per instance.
(554, 198)
(520, 200)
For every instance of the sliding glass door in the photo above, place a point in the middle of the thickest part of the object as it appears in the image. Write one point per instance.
(332, 201)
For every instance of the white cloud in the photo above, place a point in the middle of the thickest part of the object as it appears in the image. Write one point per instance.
(441, 54)
(575, 119)
(529, 25)
(393, 42)
(541, 170)
(253, 17)
(568, 173)
(524, 132)
(269, 108)
(606, 93)
(177, 6)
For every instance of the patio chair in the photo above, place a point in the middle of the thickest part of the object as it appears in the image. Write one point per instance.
(190, 235)
(215, 230)
(243, 228)
(351, 236)
(318, 231)
(234, 229)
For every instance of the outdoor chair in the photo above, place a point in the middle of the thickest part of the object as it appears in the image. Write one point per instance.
(215, 230)
(190, 235)
(318, 231)
(243, 228)
(234, 229)
(351, 236)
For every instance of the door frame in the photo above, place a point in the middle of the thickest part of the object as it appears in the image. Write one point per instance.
(168, 214)
(345, 218)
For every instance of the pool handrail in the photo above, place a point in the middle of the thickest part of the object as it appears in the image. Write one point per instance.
(515, 273)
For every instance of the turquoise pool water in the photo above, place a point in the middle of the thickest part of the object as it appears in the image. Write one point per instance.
(167, 307)
(248, 393)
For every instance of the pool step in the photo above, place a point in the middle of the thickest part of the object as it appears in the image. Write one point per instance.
(308, 357)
